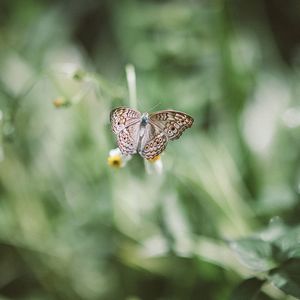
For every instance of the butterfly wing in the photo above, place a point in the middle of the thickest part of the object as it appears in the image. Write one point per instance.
(153, 142)
(162, 126)
(128, 139)
(122, 117)
(125, 123)
(173, 123)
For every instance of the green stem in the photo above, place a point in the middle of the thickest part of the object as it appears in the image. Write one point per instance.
(131, 81)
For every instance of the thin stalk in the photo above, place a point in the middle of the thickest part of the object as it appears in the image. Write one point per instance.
(131, 81)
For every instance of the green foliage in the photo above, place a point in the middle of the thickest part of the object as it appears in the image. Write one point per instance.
(72, 227)
(275, 254)
(287, 277)
(248, 289)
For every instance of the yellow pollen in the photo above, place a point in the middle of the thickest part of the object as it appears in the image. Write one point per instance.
(115, 161)
(154, 159)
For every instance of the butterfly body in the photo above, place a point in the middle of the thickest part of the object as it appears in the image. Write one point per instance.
(147, 134)
(145, 119)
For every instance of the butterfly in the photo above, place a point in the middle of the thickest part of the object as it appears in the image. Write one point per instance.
(147, 134)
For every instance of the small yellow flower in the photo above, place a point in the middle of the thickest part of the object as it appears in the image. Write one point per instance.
(116, 159)
(61, 102)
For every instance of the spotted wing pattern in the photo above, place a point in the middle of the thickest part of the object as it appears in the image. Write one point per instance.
(154, 146)
(149, 140)
(125, 123)
(153, 141)
(128, 139)
(173, 123)
(122, 117)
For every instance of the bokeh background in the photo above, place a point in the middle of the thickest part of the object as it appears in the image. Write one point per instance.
(221, 221)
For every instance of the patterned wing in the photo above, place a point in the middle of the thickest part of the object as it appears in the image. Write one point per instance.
(153, 143)
(125, 123)
(122, 117)
(128, 139)
(172, 123)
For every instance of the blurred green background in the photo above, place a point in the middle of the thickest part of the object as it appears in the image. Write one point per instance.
(221, 221)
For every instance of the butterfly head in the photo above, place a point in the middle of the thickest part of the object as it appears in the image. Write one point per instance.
(144, 119)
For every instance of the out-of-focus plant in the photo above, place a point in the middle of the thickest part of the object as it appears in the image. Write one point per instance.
(274, 254)
(73, 228)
